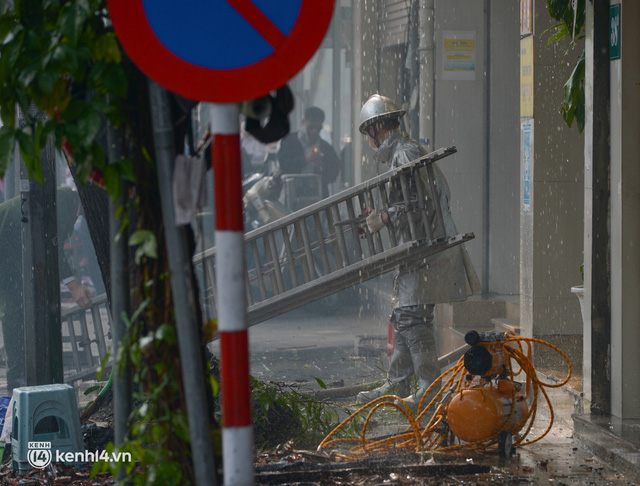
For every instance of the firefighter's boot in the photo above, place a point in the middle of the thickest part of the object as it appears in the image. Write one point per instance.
(427, 370)
(398, 389)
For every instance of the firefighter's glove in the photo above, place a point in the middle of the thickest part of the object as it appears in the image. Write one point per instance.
(376, 221)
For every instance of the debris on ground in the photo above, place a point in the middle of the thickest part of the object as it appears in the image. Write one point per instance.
(54, 474)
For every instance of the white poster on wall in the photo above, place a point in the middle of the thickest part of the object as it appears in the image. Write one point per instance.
(459, 55)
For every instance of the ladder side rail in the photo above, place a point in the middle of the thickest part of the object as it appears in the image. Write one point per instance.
(290, 259)
(321, 243)
(339, 231)
(407, 201)
(422, 202)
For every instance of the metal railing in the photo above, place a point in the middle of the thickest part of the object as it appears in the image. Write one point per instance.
(86, 338)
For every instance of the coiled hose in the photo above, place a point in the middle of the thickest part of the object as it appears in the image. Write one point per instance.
(435, 434)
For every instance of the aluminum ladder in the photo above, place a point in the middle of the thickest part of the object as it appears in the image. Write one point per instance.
(326, 247)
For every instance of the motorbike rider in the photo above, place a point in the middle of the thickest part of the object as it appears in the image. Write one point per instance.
(447, 276)
(305, 152)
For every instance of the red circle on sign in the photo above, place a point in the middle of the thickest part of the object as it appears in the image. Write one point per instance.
(219, 85)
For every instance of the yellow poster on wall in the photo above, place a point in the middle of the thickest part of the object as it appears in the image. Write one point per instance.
(526, 77)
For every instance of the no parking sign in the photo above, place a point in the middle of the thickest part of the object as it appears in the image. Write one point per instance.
(222, 51)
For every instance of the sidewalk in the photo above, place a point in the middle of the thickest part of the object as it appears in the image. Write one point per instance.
(301, 346)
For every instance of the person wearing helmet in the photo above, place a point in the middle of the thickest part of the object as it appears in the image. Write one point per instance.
(447, 276)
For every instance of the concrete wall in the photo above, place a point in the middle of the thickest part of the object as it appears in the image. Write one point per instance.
(460, 120)
(504, 148)
(481, 117)
(552, 232)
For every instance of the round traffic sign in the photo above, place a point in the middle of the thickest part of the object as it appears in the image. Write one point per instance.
(221, 51)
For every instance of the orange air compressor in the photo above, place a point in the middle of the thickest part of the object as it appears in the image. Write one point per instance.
(493, 405)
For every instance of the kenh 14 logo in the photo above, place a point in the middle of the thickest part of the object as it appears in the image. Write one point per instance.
(39, 454)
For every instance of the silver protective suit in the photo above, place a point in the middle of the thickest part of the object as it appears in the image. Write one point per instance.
(447, 276)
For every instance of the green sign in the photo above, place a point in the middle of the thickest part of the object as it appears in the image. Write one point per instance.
(614, 31)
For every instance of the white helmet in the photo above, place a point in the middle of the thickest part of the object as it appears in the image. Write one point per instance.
(377, 108)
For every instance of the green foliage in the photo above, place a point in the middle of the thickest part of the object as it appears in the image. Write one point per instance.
(282, 413)
(573, 105)
(151, 422)
(572, 19)
(61, 65)
(62, 70)
(571, 15)
(146, 243)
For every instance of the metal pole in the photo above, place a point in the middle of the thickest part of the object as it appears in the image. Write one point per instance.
(237, 431)
(41, 283)
(182, 290)
(486, 189)
(597, 253)
(414, 69)
(122, 385)
(427, 73)
(336, 80)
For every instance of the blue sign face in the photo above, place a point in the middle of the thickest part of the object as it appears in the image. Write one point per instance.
(223, 51)
(213, 34)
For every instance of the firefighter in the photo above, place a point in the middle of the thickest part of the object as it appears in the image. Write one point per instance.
(447, 276)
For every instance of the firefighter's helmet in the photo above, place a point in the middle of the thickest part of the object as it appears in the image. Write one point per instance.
(377, 108)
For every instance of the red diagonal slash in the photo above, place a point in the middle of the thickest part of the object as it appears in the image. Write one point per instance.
(258, 21)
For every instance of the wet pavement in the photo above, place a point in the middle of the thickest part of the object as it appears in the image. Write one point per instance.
(347, 351)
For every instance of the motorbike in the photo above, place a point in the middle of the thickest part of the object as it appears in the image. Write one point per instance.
(260, 200)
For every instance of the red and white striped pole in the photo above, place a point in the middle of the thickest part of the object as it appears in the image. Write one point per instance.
(237, 430)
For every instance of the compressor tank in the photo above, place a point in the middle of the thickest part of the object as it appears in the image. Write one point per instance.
(479, 412)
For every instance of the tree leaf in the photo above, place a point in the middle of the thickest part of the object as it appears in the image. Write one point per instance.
(321, 383)
(146, 243)
(72, 20)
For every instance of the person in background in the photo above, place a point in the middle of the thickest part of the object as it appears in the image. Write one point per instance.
(11, 283)
(447, 276)
(304, 152)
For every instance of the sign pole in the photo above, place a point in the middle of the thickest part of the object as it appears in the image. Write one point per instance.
(193, 377)
(237, 430)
